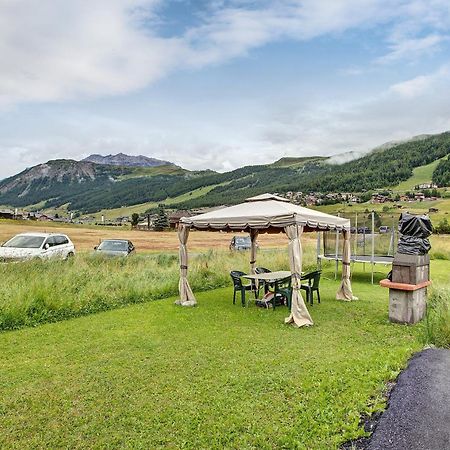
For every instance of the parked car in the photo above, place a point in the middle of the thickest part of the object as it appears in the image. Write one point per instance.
(37, 245)
(364, 230)
(115, 247)
(384, 229)
(241, 243)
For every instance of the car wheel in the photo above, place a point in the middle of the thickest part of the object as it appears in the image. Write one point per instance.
(70, 255)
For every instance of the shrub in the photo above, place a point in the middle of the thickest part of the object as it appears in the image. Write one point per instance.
(439, 255)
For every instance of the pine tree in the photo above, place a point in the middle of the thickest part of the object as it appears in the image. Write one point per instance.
(161, 222)
(134, 219)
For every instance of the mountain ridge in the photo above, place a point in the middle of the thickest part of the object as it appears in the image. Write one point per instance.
(89, 187)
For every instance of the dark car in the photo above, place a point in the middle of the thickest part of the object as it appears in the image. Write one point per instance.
(364, 230)
(115, 247)
(241, 243)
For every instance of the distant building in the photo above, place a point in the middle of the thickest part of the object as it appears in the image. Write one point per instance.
(379, 198)
(174, 218)
(45, 218)
(419, 196)
(429, 185)
(6, 214)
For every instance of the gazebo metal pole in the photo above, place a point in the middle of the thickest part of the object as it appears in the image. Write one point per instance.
(364, 243)
(392, 243)
(373, 241)
(356, 242)
(319, 259)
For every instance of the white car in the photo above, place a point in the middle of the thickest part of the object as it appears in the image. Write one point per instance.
(37, 245)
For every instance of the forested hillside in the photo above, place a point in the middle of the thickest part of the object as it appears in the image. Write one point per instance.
(88, 187)
(441, 175)
(381, 168)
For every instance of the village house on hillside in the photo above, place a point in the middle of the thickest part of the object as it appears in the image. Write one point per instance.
(379, 198)
(429, 185)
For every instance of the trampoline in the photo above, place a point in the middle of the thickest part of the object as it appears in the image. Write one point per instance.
(368, 247)
(377, 259)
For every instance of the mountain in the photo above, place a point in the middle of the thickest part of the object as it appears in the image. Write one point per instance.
(89, 187)
(58, 180)
(126, 160)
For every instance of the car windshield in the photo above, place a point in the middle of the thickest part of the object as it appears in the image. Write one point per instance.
(25, 242)
(114, 246)
(242, 241)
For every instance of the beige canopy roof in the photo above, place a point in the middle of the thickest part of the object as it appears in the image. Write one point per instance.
(265, 212)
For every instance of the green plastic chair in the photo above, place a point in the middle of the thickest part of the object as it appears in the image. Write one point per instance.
(238, 286)
(313, 279)
(283, 292)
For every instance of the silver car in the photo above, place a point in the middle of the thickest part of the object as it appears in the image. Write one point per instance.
(115, 247)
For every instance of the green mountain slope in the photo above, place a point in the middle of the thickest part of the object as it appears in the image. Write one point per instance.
(420, 175)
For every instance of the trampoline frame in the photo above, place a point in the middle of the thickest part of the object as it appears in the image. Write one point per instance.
(371, 259)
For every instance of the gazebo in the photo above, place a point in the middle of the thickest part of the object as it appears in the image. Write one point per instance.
(269, 213)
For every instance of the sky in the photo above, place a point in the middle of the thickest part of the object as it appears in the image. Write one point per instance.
(218, 84)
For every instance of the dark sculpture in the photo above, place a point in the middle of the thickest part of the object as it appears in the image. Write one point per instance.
(414, 231)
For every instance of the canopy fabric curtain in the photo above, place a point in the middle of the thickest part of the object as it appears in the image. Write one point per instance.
(299, 313)
(253, 237)
(187, 297)
(345, 290)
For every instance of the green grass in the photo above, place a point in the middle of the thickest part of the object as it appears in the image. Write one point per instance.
(217, 376)
(57, 290)
(156, 375)
(153, 171)
(422, 174)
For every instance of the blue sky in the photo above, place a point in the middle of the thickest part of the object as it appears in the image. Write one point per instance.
(218, 83)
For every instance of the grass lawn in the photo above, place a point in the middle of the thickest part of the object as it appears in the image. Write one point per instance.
(156, 375)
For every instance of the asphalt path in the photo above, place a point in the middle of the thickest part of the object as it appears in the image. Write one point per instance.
(418, 413)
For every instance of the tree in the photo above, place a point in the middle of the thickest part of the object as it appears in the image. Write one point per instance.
(134, 219)
(161, 222)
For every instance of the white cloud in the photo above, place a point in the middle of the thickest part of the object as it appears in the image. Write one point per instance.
(417, 106)
(73, 50)
(65, 50)
(413, 48)
(422, 84)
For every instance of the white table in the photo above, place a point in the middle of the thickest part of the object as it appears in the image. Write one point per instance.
(271, 277)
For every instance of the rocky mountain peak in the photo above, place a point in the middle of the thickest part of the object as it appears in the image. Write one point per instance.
(121, 159)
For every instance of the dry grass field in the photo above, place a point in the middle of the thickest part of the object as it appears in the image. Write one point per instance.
(85, 238)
